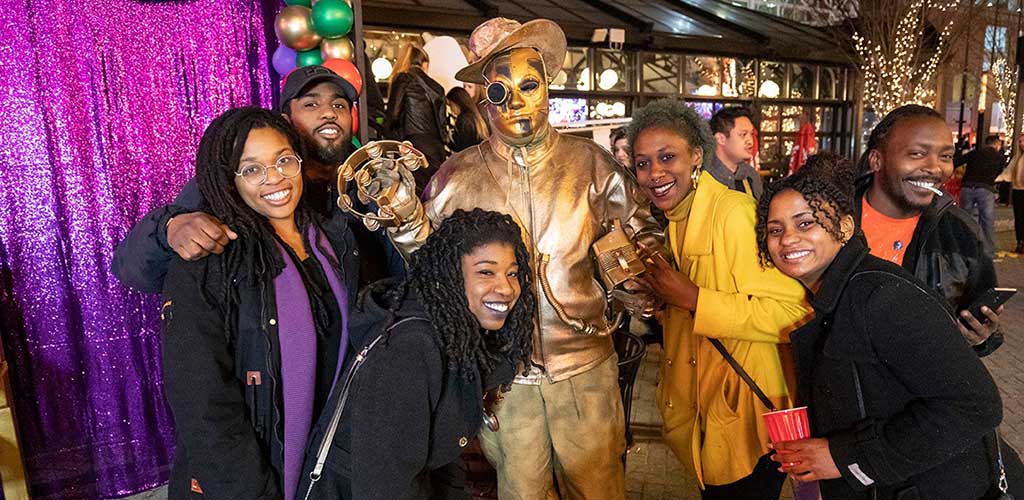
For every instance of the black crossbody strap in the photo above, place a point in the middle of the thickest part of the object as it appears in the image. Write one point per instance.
(743, 374)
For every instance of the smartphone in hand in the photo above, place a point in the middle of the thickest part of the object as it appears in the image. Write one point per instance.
(991, 299)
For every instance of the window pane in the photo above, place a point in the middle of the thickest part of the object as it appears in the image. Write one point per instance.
(791, 118)
(769, 118)
(704, 108)
(769, 149)
(827, 83)
(773, 75)
(703, 75)
(575, 73)
(661, 73)
(612, 70)
(801, 83)
(740, 77)
(607, 108)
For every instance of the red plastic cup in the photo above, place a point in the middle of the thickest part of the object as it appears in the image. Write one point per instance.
(788, 425)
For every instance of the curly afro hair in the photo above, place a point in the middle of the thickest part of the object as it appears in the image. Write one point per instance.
(674, 115)
(435, 274)
(826, 181)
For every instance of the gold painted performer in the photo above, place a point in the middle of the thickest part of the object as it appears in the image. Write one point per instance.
(565, 416)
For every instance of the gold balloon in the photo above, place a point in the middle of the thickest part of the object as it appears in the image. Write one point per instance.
(294, 28)
(336, 48)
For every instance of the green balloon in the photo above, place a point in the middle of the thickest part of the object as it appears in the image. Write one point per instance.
(308, 57)
(304, 3)
(332, 18)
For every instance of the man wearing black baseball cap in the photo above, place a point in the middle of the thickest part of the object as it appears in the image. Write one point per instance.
(318, 103)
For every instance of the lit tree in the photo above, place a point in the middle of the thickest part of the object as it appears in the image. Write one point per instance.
(899, 44)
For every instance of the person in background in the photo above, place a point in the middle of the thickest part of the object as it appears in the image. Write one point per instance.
(1017, 193)
(806, 141)
(417, 110)
(253, 337)
(978, 188)
(909, 155)
(620, 147)
(438, 349)
(733, 129)
(317, 102)
(716, 292)
(470, 126)
(899, 406)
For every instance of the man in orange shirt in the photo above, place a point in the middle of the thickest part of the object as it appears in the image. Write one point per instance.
(907, 220)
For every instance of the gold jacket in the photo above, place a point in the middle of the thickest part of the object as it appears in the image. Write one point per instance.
(561, 190)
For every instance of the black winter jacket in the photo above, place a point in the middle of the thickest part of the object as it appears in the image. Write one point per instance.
(903, 401)
(417, 113)
(947, 254)
(222, 383)
(408, 414)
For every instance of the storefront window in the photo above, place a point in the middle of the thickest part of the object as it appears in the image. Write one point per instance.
(607, 108)
(769, 118)
(801, 82)
(773, 77)
(660, 73)
(575, 74)
(612, 70)
(827, 83)
(703, 76)
(739, 77)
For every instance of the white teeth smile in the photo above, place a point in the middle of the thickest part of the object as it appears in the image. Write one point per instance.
(329, 132)
(796, 255)
(500, 307)
(663, 190)
(277, 195)
(925, 185)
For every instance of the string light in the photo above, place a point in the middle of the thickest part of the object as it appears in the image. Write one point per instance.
(1006, 90)
(892, 76)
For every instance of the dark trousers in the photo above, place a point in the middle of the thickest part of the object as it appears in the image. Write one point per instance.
(765, 483)
(1018, 213)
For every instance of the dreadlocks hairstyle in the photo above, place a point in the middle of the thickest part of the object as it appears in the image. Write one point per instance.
(674, 115)
(436, 275)
(220, 150)
(880, 134)
(826, 181)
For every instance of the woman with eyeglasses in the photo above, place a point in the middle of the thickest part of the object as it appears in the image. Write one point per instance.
(253, 337)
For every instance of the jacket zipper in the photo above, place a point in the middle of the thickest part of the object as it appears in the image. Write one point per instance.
(527, 195)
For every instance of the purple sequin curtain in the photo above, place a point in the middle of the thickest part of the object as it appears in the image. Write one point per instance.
(102, 105)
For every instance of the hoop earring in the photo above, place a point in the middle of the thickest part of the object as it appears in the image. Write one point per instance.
(695, 176)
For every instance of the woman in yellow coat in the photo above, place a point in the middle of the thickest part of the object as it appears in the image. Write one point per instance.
(717, 289)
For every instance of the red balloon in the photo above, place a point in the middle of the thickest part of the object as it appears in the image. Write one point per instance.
(346, 70)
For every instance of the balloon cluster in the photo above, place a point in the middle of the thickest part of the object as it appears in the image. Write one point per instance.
(314, 32)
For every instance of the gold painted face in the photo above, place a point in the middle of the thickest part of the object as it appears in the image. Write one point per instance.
(525, 113)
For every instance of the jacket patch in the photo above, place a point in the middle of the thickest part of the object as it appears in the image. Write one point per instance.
(860, 475)
(253, 378)
(163, 308)
(195, 487)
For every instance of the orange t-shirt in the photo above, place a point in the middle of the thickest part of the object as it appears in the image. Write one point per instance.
(888, 238)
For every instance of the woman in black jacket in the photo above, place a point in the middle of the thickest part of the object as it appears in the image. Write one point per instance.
(899, 404)
(433, 354)
(417, 111)
(470, 126)
(253, 336)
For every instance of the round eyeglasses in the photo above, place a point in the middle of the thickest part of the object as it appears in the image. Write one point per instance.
(256, 173)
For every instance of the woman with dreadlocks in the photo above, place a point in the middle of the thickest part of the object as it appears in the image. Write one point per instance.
(253, 337)
(898, 402)
(431, 351)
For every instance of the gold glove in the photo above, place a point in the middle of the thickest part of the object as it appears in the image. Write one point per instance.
(382, 171)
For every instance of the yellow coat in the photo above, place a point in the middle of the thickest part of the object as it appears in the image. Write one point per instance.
(751, 310)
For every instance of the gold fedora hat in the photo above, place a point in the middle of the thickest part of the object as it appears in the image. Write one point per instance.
(500, 34)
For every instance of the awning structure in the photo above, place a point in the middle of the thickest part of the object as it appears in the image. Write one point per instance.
(706, 26)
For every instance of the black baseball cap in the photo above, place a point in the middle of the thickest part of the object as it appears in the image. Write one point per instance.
(302, 78)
